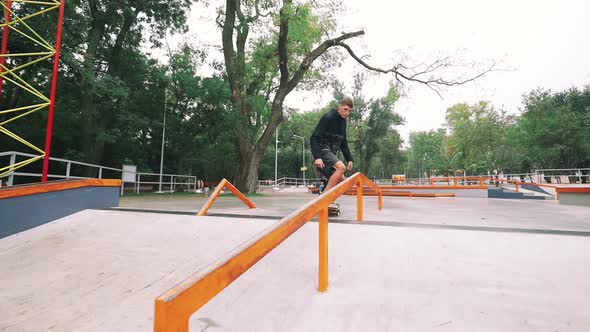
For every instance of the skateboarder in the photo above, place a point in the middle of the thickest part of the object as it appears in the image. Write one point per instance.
(327, 139)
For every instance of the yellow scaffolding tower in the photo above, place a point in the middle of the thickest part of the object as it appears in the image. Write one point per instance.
(16, 24)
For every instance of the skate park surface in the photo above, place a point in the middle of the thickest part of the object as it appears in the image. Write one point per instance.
(420, 264)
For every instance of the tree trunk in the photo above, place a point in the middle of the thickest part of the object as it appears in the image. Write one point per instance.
(250, 155)
(87, 105)
(247, 175)
(93, 148)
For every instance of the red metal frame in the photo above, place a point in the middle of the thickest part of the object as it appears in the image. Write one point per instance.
(52, 93)
(4, 49)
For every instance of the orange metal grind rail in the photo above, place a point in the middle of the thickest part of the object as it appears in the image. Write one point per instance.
(224, 184)
(174, 308)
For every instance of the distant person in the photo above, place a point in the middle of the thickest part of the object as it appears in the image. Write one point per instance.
(327, 139)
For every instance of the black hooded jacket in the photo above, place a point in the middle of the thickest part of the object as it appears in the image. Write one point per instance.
(330, 133)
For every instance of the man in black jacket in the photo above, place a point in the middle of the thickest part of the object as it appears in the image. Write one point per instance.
(327, 139)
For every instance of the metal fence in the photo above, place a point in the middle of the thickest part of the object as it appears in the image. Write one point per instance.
(548, 176)
(286, 182)
(69, 169)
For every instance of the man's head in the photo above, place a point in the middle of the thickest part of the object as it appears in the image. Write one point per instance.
(345, 107)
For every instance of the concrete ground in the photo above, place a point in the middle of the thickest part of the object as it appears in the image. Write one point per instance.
(450, 212)
(420, 264)
(102, 270)
(408, 279)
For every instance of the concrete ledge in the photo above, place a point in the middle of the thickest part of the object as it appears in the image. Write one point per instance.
(29, 206)
(574, 198)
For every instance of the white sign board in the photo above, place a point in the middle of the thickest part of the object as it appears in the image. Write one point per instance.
(129, 173)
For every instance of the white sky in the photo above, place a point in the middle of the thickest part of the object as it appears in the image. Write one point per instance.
(542, 43)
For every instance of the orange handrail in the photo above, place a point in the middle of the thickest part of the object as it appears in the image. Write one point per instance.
(174, 308)
(481, 179)
(389, 187)
(224, 184)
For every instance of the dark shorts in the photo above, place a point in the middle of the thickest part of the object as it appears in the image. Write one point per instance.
(329, 159)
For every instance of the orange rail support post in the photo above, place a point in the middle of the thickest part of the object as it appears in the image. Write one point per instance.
(323, 254)
(224, 184)
(359, 201)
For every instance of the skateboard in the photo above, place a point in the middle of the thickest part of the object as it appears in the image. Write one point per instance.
(334, 210)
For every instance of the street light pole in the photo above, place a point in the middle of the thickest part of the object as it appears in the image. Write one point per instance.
(163, 138)
(276, 155)
(302, 156)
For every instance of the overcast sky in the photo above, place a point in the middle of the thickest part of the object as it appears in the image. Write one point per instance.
(539, 43)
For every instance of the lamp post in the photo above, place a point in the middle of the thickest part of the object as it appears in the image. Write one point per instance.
(276, 156)
(163, 138)
(303, 168)
(423, 171)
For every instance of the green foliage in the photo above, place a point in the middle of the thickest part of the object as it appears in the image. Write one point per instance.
(477, 133)
(111, 102)
(555, 128)
(553, 131)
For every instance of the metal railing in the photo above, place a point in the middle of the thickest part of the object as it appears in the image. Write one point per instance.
(549, 176)
(563, 175)
(217, 191)
(172, 182)
(14, 156)
(286, 182)
(174, 308)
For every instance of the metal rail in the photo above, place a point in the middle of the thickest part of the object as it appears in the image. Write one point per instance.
(174, 308)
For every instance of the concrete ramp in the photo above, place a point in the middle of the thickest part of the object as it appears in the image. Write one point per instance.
(418, 265)
(101, 270)
(404, 279)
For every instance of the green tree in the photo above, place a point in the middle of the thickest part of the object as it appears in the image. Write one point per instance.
(285, 45)
(196, 107)
(554, 129)
(477, 136)
(426, 153)
(114, 30)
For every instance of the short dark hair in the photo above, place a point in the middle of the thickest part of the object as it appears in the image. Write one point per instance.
(347, 101)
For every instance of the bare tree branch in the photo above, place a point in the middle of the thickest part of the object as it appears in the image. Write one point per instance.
(258, 14)
(261, 75)
(241, 15)
(308, 60)
(243, 31)
(282, 44)
(218, 20)
(399, 70)
(228, 44)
